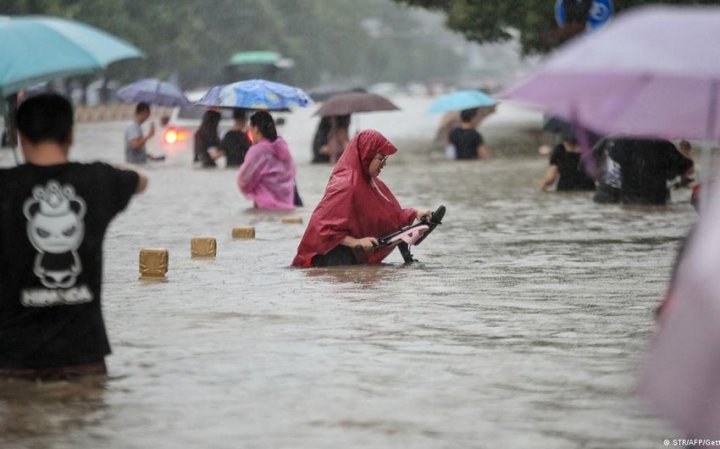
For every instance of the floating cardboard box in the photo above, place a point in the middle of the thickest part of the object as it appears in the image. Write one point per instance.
(203, 247)
(153, 263)
(292, 220)
(243, 232)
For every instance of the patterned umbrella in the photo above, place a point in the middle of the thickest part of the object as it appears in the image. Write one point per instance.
(255, 94)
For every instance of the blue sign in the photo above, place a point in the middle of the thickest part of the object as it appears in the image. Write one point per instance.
(600, 12)
(559, 13)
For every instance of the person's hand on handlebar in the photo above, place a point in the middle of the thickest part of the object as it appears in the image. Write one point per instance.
(366, 243)
(426, 213)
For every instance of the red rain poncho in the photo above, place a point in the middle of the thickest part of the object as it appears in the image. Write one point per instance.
(267, 176)
(355, 204)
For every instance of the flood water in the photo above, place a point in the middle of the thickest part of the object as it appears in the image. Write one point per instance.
(521, 326)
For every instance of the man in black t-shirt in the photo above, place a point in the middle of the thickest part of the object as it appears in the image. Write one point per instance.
(236, 143)
(53, 218)
(468, 142)
(646, 166)
(566, 167)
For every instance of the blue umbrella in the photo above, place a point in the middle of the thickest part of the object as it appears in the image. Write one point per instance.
(255, 94)
(39, 48)
(153, 91)
(460, 100)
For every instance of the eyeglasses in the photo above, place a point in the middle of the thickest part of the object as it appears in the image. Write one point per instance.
(381, 158)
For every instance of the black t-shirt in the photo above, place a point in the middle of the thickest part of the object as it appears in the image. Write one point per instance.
(572, 175)
(646, 165)
(52, 224)
(466, 142)
(235, 144)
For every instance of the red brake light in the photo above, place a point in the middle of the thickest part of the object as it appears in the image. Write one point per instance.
(173, 135)
(170, 136)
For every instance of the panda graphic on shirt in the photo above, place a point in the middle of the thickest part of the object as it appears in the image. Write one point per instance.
(56, 230)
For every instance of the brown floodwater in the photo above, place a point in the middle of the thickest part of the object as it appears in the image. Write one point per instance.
(521, 326)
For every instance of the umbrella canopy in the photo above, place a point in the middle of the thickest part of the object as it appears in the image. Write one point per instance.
(255, 94)
(153, 91)
(323, 93)
(345, 104)
(651, 72)
(39, 48)
(460, 100)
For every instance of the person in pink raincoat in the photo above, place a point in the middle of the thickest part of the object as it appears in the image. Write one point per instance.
(267, 176)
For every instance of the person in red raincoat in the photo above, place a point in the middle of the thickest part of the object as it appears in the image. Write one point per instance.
(356, 209)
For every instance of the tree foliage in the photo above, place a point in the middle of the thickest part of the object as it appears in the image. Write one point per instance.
(493, 20)
(194, 38)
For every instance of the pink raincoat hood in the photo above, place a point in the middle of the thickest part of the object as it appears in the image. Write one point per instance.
(278, 148)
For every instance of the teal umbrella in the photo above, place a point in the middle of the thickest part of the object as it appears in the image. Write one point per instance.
(460, 100)
(34, 49)
(40, 48)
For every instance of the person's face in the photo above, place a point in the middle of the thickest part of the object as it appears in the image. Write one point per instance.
(143, 116)
(255, 134)
(377, 164)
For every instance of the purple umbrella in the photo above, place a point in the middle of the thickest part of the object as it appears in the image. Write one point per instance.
(153, 91)
(654, 71)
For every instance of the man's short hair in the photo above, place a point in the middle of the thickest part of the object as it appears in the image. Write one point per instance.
(239, 114)
(46, 117)
(142, 107)
(468, 114)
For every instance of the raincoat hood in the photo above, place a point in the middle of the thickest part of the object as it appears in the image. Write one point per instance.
(361, 151)
(278, 148)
